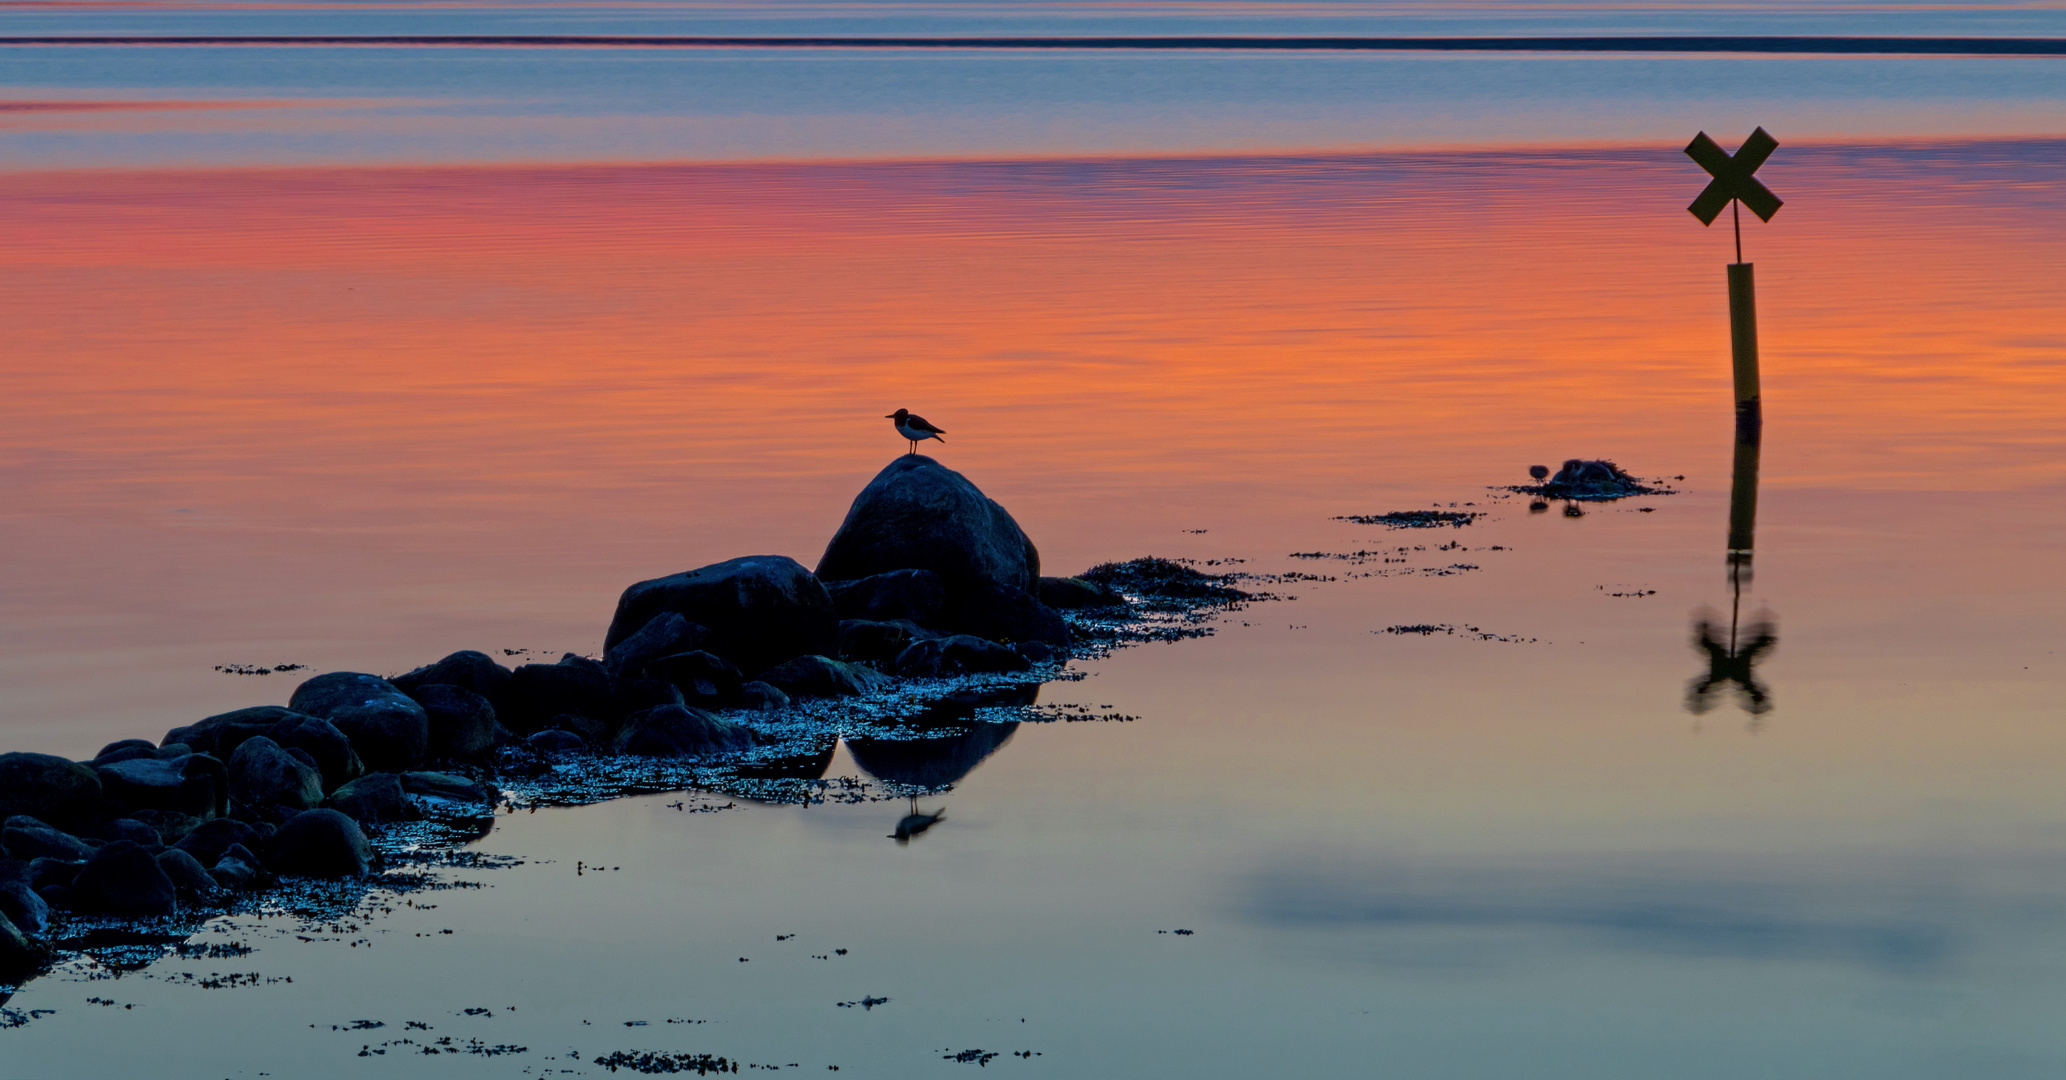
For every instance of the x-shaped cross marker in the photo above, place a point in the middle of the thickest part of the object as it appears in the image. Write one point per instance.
(1732, 179)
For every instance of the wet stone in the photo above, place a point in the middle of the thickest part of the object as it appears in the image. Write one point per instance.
(123, 879)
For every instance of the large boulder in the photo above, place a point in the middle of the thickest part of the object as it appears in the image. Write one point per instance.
(664, 634)
(959, 654)
(679, 731)
(823, 677)
(325, 744)
(374, 799)
(124, 879)
(761, 609)
(20, 905)
(210, 839)
(19, 956)
(262, 774)
(182, 785)
(466, 669)
(917, 595)
(30, 838)
(48, 787)
(539, 692)
(462, 723)
(222, 733)
(319, 843)
(917, 514)
(386, 726)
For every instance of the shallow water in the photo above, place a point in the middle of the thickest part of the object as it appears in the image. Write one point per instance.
(354, 395)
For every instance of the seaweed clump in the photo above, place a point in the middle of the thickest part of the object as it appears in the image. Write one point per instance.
(1592, 480)
(1167, 585)
(1415, 519)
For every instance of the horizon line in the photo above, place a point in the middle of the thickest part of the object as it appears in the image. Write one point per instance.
(1718, 43)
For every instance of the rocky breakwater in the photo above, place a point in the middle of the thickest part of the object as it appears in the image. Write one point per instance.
(926, 582)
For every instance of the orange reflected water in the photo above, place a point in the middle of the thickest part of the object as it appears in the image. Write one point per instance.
(362, 416)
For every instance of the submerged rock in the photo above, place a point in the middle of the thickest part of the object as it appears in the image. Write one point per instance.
(1075, 593)
(123, 879)
(960, 654)
(761, 609)
(917, 595)
(319, 843)
(262, 775)
(917, 514)
(678, 731)
(386, 726)
(49, 787)
(823, 677)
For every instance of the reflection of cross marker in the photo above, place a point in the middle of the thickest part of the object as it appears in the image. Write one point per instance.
(1733, 181)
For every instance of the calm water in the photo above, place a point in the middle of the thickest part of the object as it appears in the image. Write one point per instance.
(351, 358)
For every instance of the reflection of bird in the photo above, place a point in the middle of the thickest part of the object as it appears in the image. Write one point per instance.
(915, 428)
(1732, 661)
(916, 822)
(1539, 472)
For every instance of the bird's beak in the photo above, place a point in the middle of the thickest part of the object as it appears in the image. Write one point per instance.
(889, 416)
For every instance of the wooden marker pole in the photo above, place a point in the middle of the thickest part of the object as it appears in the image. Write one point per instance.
(1743, 492)
(1743, 343)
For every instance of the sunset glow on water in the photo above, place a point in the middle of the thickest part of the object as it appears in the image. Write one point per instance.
(354, 358)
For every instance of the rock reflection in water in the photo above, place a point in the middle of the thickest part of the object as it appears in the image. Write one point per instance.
(933, 763)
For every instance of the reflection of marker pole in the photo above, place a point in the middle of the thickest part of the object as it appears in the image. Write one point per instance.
(1743, 342)
(1733, 185)
(1743, 493)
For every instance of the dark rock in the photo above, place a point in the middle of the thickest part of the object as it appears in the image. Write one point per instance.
(22, 907)
(468, 670)
(48, 787)
(761, 609)
(588, 663)
(45, 871)
(760, 697)
(387, 728)
(185, 872)
(462, 723)
(663, 635)
(451, 787)
(29, 838)
(324, 742)
(957, 655)
(124, 879)
(920, 515)
(19, 956)
(679, 731)
(555, 741)
(211, 838)
(374, 799)
(1075, 594)
(238, 868)
(263, 775)
(1581, 479)
(917, 595)
(13, 870)
(586, 728)
(636, 694)
(130, 829)
(1035, 652)
(539, 692)
(823, 677)
(223, 733)
(125, 750)
(705, 680)
(163, 784)
(1002, 613)
(319, 843)
(171, 826)
(59, 897)
(867, 639)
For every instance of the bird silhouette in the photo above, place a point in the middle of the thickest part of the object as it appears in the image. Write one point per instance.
(1539, 472)
(917, 821)
(914, 428)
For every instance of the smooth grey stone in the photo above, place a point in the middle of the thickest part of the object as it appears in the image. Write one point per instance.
(124, 879)
(22, 906)
(211, 838)
(319, 843)
(917, 514)
(29, 838)
(467, 669)
(327, 747)
(374, 799)
(664, 634)
(185, 872)
(48, 787)
(386, 727)
(263, 775)
(462, 723)
(760, 697)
